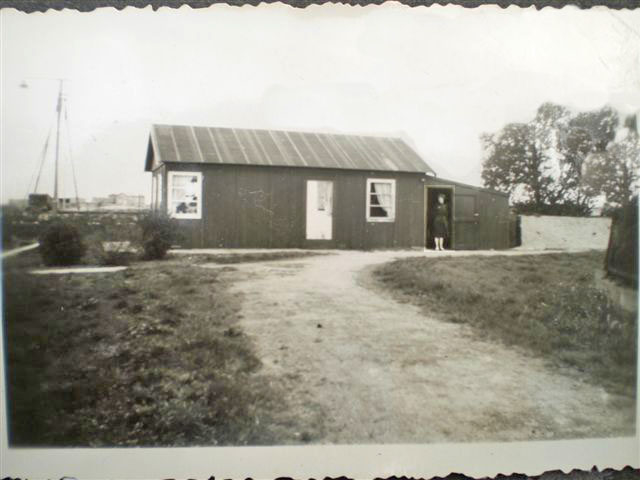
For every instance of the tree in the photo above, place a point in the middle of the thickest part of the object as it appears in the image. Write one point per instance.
(522, 157)
(540, 163)
(614, 172)
(514, 163)
(601, 126)
(587, 133)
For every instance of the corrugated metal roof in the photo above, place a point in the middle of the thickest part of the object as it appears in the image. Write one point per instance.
(172, 143)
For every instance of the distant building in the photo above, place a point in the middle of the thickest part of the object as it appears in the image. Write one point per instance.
(42, 202)
(70, 203)
(117, 202)
(20, 203)
(124, 200)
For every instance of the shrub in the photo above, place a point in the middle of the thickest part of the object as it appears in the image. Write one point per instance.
(11, 216)
(61, 244)
(566, 209)
(158, 233)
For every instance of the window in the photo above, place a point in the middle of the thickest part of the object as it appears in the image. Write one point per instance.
(185, 194)
(381, 200)
(324, 200)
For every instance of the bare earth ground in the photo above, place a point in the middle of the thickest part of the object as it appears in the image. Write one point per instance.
(358, 367)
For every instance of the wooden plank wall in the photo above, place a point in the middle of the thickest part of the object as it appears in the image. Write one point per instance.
(491, 230)
(264, 207)
(495, 222)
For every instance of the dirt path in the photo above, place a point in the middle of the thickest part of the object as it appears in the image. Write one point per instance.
(358, 367)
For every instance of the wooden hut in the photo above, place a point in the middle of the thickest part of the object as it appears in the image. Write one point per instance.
(231, 188)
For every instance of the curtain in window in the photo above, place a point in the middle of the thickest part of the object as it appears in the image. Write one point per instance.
(381, 199)
(184, 194)
(324, 196)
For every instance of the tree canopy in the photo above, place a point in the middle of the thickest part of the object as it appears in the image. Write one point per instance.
(560, 161)
(614, 172)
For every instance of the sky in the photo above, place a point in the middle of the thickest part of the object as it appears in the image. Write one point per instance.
(438, 77)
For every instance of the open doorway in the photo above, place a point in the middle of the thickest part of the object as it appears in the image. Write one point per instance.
(431, 199)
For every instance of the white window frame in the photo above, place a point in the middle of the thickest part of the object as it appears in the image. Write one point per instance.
(392, 216)
(192, 216)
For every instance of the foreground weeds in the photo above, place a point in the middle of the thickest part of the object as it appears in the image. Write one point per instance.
(151, 355)
(547, 304)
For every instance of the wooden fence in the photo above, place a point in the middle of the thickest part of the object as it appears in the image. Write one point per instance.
(622, 253)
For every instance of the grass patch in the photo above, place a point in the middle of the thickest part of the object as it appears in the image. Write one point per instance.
(230, 258)
(149, 356)
(95, 257)
(547, 304)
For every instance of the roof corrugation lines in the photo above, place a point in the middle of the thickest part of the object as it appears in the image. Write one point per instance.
(186, 144)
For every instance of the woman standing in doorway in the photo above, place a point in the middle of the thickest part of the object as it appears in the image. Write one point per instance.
(440, 223)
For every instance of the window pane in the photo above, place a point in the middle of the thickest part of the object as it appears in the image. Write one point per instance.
(323, 193)
(185, 191)
(179, 180)
(381, 199)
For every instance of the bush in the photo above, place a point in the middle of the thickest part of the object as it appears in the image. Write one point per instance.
(158, 233)
(11, 216)
(61, 244)
(567, 209)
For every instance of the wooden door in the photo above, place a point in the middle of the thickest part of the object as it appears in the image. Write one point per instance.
(466, 220)
(319, 210)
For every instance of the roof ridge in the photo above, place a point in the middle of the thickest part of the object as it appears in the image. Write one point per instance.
(310, 132)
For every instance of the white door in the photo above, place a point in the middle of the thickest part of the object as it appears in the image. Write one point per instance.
(319, 210)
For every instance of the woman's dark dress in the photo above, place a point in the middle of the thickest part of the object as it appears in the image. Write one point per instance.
(441, 221)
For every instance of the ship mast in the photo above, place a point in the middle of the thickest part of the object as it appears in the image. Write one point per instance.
(61, 109)
(57, 160)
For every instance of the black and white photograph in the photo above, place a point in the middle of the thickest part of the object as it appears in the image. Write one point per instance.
(321, 227)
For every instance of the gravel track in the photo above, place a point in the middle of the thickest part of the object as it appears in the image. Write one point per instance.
(356, 366)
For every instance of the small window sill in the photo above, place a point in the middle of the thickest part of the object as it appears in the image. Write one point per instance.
(381, 219)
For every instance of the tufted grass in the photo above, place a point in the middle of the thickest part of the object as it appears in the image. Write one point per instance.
(547, 304)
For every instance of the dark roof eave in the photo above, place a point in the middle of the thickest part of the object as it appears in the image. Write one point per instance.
(149, 159)
(300, 167)
(475, 187)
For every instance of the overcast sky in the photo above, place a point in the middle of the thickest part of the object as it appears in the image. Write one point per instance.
(438, 77)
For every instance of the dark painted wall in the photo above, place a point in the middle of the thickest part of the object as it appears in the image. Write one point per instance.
(252, 206)
(248, 206)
